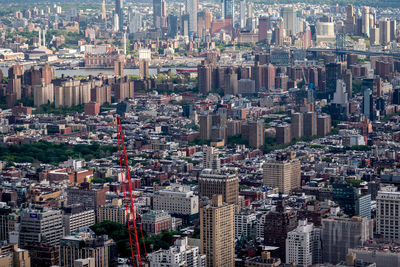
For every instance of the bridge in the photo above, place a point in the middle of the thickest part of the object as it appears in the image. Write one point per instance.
(358, 52)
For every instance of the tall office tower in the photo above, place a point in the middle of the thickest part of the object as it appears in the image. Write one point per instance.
(87, 245)
(205, 121)
(384, 31)
(350, 19)
(210, 158)
(283, 172)
(223, 182)
(243, 17)
(40, 225)
(76, 217)
(119, 10)
(103, 10)
(253, 132)
(159, 13)
(116, 26)
(387, 213)
(365, 21)
(207, 20)
(303, 245)
(204, 82)
(217, 233)
(368, 104)
(135, 20)
(4, 221)
(12, 256)
(351, 201)
(15, 78)
(393, 28)
(283, 133)
(277, 225)
(290, 20)
(333, 73)
(340, 234)
(229, 10)
(191, 10)
(180, 254)
(310, 124)
(297, 125)
(119, 68)
(323, 125)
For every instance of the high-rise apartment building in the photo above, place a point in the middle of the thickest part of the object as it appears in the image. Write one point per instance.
(283, 172)
(205, 121)
(217, 233)
(253, 132)
(368, 104)
(118, 68)
(204, 82)
(277, 226)
(283, 133)
(211, 158)
(224, 182)
(387, 213)
(290, 20)
(303, 245)
(297, 125)
(341, 234)
(310, 124)
(159, 14)
(40, 225)
(323, 125)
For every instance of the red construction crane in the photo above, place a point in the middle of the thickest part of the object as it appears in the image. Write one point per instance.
(127, 177)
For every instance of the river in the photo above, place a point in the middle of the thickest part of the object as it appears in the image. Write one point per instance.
(95, 72)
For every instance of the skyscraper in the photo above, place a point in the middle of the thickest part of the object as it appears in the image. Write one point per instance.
(323, 125)
(119, 5)
(159, 13)
(333, 73)
(365, 21)
(368, 104)
(290, 20)
(229, 10)
(103, 10)
(284, 172)
(204, 82)
(243, 17)
(217, 233)
(191, 10)
(253, 132)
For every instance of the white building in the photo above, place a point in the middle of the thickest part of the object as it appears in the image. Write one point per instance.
(181, 254)
(191, 10)
(210, 158)
(178, 200)
(244, 223)
(303, 245)
(135, 21)
(388, 213)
